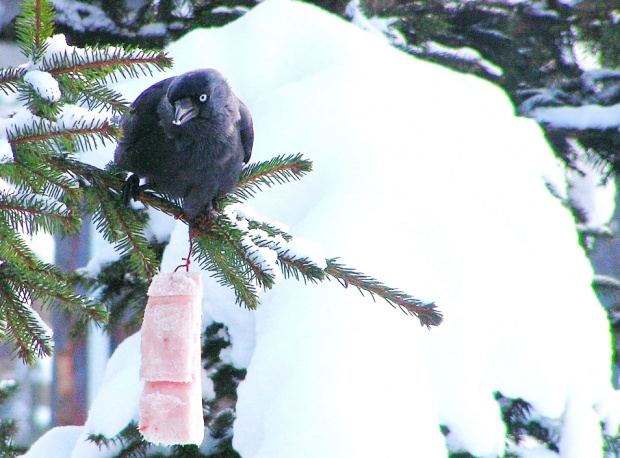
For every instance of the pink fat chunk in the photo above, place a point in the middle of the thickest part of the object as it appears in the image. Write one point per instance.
(171, 402)
(176, 284)
(171, 413)
(171, 328)
(169, 341)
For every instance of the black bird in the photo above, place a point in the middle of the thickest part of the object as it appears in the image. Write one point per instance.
(189, 137)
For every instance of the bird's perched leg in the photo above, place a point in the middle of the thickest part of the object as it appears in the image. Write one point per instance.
(131, 189)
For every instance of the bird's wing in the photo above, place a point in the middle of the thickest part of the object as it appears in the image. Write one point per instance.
(141, 124)
(246, 129)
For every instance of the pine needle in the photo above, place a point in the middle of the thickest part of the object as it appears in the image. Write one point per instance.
(279, 170)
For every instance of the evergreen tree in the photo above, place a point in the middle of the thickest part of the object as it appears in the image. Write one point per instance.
(8, 427)
(66, 108)
(532, 50)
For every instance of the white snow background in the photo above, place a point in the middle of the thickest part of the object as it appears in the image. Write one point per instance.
(424, 179)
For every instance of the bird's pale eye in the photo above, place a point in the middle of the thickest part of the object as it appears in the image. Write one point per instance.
(203, 97)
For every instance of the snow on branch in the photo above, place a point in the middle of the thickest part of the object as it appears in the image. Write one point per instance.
(584, 117)
(33, 213)
(81, 134)
(246, 252)
(464, 54)
(51, 188)
(48, 190)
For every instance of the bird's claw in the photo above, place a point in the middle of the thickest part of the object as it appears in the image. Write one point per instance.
(131, 188)
(212, 214)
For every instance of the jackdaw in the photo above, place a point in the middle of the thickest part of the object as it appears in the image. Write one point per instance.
(189, 137)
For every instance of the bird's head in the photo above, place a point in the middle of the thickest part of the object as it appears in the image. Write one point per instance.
(195, 94)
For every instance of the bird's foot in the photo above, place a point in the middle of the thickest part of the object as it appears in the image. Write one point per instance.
(131, 189)
(211, 214)
(204, 220)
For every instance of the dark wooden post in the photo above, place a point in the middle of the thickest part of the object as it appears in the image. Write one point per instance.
(68, 395)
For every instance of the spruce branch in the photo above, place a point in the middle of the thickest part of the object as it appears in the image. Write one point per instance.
(10, 78)
(224, 229)
(31, 213)
(121, 226)
(221, 257)
(42, 281)
(279, 170)
(300, 268)
(33, 175)
(7, 389)
(8, 427)
(45, 136)
(427, 313)
(269, 229)
(33, 26)
(20, 325)
(36, 104)
(97, 96)
(13, 248)
(221, 425)
(99, 63)
(222, 251)
(132, 443)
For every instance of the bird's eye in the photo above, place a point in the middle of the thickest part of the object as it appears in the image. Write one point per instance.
(203, 97)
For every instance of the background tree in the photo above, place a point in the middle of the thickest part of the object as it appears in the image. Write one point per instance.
(558, 62)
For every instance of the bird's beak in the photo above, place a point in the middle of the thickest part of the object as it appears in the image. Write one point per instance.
(184, 110)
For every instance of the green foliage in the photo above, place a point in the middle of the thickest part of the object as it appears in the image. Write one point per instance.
(596, 24)
(123, 294)
(519, 417)
(8, 428)
(278, 170)
(427, 313)
(220, 411)
(33, 26)
(51, 189)
(129, 439)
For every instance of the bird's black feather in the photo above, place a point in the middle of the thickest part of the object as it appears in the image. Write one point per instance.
(246, 129)
(197, 157)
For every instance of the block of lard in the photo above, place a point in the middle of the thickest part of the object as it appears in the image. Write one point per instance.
(171, 413)
(171, 402)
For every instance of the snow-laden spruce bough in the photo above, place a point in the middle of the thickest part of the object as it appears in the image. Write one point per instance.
(468, 222)
(63, 114)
